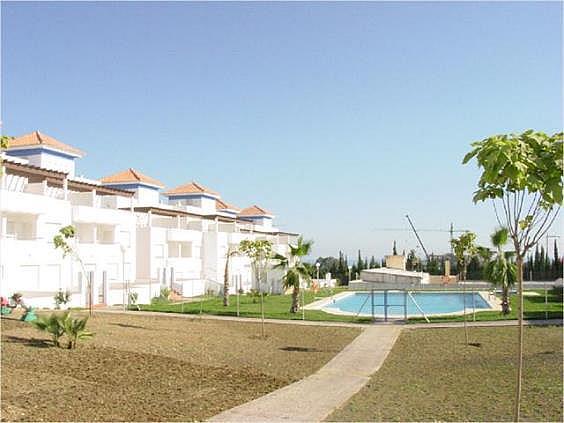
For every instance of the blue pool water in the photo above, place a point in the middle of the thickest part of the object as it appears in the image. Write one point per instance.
(430, 302)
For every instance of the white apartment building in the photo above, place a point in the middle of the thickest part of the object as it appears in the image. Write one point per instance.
(129, 237)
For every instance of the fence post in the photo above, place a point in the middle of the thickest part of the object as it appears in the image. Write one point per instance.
(372, 303)
(405, 304)
(385, 305)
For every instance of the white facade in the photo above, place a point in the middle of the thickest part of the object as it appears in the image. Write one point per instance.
(126, 237)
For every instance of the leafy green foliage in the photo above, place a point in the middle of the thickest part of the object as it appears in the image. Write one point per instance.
(75, 330)
(529, 161)
(464, 248)
(163, 297)
(61, 297)
(53, 325)
(59, 324)
(296, 271)
(255, 294)
(501, 271)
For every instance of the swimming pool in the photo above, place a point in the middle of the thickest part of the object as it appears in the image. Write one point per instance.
(431, 303)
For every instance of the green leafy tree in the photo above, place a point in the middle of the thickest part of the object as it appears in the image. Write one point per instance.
(259, 251)
(501, 271)
(464, 248)
(296, 271)
(522, 177)
(64, 241)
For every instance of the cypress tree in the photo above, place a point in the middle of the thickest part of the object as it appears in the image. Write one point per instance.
(556, 265)
(394, 250)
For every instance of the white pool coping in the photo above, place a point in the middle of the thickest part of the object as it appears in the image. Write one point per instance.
(488, 297)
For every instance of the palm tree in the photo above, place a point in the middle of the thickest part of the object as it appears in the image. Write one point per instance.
(501, 271)
(296, 271)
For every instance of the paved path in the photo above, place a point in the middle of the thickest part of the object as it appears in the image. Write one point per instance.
(317, 396)
(236, 319)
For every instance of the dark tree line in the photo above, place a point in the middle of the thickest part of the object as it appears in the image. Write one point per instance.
(538, 266)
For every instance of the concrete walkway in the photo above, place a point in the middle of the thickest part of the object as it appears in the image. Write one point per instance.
(254, 320)
(317, 396)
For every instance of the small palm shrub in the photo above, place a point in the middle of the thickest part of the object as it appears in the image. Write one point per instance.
(52, 325)
(58, 325)
(75, 330)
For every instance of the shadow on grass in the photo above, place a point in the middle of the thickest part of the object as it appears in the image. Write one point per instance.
(36, 343)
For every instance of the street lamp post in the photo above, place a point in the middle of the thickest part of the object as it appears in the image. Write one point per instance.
(317, 266)
(350, 270)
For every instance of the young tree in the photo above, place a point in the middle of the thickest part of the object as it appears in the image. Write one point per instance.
(230, 253)
(63, 242)
(296, 271)
(464, 247)
(522, 176)
(4, 144)
(501, 271)
(259, 252)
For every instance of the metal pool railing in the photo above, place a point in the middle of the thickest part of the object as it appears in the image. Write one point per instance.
(386, 304)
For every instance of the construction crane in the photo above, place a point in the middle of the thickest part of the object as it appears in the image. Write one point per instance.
(451, 231)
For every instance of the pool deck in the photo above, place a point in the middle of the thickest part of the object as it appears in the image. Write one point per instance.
(314, 398)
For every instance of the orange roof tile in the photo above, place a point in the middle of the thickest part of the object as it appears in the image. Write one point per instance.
(37, 138)
(222, 205)
(191, 188)
(130, 175)
(255, 211)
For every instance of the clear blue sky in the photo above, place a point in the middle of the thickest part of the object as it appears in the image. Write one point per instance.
(339, 117)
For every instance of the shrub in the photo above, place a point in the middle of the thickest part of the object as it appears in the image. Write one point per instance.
(52, 325)
(62, 298)
(75, 330)
(558, 292)
(163, 298)
(255, 294)
(58, 325)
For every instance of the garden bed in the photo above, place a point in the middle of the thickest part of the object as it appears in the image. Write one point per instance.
(140, 368)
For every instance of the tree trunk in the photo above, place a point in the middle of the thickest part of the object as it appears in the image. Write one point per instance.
(505, 309)
(226, 282)
(295, 295)
(516, 414)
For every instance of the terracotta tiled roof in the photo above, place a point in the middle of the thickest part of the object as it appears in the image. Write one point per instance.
(222, 205)
(130, 175)
(36, 138)
(191, 188)
(255, 211)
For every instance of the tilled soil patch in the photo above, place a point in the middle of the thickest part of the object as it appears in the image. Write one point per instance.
(147, 369)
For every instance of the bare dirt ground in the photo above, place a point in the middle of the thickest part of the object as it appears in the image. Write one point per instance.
(139, 368)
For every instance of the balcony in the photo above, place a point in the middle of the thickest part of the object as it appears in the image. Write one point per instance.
(24, 202)
(182, 235)
(87, 214)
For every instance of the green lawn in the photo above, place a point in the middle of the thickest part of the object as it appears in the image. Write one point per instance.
(432, 375)
(275, 307)
(535, 309)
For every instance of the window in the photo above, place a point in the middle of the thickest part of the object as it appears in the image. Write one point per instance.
(29, 278)
(51, 277)
(158, 251)
(125, 238)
